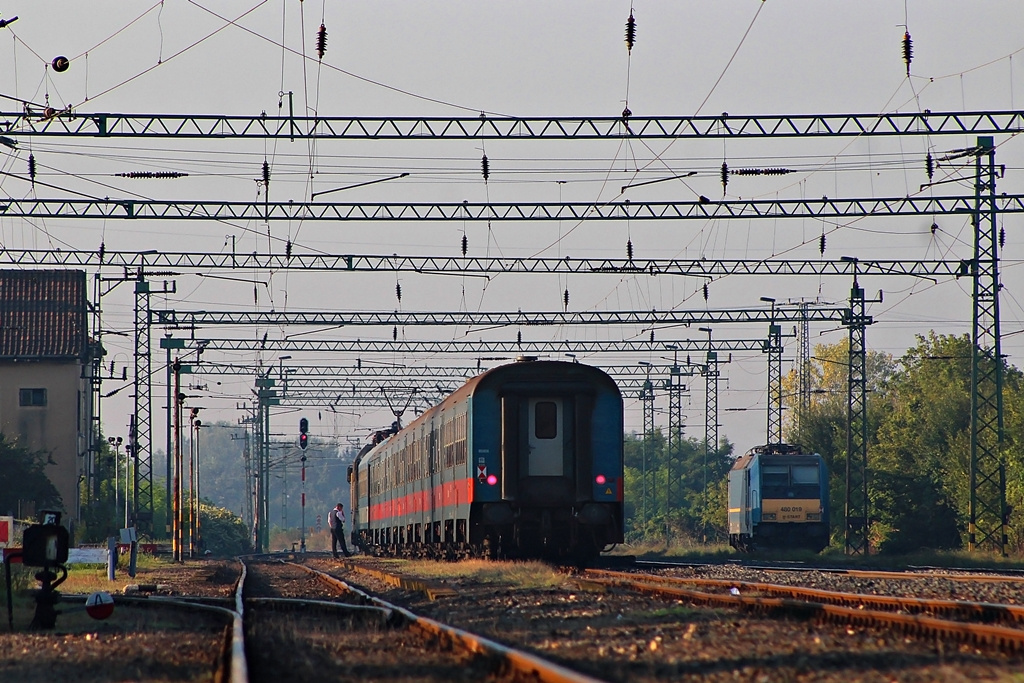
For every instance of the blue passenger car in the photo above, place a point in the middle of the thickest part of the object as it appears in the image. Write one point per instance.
(524, 460)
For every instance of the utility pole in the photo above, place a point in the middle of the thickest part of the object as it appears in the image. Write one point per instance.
(711, 374)
(647, 398)
(176, 537)
(773, 348)
(857, 517)
(988, 511)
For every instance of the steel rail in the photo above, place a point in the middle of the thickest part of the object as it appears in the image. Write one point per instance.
(697, 209)
(706, 268)
(232, 657)
(39, 123)
(997, 636)
(530, 666)
(983, 611)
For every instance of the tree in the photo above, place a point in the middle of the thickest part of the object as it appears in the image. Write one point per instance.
(23, 479)
(688, 516)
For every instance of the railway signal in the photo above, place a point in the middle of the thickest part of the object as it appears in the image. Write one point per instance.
(303, 433)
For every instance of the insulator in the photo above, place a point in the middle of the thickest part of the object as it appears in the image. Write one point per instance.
(565, 298)
(908, 50)
(935, 228)
(465, 245)
(626, 113)
(32, 167)
(398, 291)
(1002, 237)
(760, 171)
(103, 250)
(630, 32)
(485, 167)
(394, 333)
(929, 165)
(705, 291)
(266, 174)
(725, 177)
(519, 337)
(151, 174)
(321, 41)
(652, 336)
(629, 250)
(288, 249)
(821, 244)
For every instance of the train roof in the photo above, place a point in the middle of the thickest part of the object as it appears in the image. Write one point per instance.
(780, 450)
(530, 367)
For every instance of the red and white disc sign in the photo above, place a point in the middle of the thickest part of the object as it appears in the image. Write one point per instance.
(99, 605)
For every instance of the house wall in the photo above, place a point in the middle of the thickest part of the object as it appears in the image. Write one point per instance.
(58, 428)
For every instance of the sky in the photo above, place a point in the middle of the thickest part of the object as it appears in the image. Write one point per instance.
(426, 58)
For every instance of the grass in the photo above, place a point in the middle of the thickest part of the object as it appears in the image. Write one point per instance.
(519, 574)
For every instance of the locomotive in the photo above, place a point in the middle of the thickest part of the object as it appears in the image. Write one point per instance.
(522, 461)
(778, 499)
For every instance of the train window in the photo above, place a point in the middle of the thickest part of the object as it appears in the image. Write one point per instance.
(775, 481)
(546, 419)
(805, 474)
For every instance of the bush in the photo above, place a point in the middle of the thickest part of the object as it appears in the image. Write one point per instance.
(224, 533)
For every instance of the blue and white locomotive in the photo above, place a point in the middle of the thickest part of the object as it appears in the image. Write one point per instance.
(778, 499)
(524, 460)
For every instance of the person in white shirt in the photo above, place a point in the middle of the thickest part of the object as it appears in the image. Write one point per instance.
(336, 519)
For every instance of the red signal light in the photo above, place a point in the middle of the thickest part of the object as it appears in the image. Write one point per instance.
(600, 479)
(492, 479)
(303, 440)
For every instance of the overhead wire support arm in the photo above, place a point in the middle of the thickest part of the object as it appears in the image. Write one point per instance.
(698, 209)
(197, 319)
(204, 262)
(108, 125)
(475, 348)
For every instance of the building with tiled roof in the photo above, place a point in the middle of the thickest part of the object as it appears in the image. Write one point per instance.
(45, 393)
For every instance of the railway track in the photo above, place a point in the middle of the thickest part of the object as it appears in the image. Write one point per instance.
(968, 621)
(300, 623)
(377, 640)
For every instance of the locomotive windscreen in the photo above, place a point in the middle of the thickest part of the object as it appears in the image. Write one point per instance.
(790, 481)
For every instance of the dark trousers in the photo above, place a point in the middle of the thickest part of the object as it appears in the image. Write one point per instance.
(338, 536)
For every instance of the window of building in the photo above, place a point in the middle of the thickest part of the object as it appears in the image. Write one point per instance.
(32, 397)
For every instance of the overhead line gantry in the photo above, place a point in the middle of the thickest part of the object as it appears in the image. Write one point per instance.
(196, 319)
(188, 261)
(697, 209)
(20, 124)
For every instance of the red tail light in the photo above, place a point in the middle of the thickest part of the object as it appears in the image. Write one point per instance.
(600, 479)
(492, 479)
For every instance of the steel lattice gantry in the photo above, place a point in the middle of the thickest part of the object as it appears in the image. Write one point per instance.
(196, 319)
(23, 124)
(506, 350)
(707, 268)
(698, 209)
(988, 512)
